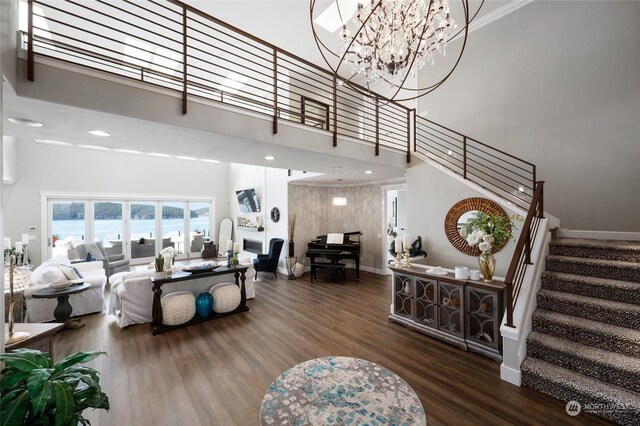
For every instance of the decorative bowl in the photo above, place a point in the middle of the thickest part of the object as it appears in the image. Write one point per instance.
(61, 285)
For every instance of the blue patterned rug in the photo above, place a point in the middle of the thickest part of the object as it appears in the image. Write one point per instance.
(340, 391)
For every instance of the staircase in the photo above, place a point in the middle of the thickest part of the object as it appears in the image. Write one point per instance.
(585, 339)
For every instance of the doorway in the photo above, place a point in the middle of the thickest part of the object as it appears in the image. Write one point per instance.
(395, 218)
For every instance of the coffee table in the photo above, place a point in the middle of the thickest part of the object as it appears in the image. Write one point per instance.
(63, 310)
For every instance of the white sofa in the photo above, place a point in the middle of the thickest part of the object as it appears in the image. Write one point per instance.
(87, 302)
(131, 298)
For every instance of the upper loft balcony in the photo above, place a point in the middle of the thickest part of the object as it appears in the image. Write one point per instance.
(171, 64)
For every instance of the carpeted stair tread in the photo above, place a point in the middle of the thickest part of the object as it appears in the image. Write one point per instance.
(568, 385)
(628, 251)
(605, 336)
(606, 311)
(602, 288)
(612, 269)
(618, 369)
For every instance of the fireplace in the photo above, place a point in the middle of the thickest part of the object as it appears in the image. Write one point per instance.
(252, 246)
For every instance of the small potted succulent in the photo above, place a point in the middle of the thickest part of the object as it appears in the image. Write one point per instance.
(35, 392)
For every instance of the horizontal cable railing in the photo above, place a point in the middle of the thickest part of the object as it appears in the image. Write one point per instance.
(522, 254)
(503, 174)
(177, 47)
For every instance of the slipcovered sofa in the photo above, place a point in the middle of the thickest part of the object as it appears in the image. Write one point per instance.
(87, 302)
(131, 298)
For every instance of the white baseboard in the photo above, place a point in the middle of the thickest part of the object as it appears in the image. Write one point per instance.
(599, 235)
(510, 375)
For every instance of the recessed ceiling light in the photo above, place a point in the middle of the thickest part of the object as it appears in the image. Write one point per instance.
(270, 157)
(127, 151)
(159, 155)
(25, 122)
(339, 201)
(99, 133)
(368, 172)
(206, 160)
(337, 167)
(182, 157)
(94, 147)
(50, 142)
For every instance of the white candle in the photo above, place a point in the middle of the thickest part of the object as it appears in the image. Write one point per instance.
(18, 246)
(7, 243)
(407, 241)
(398, 245)
(229, 245)
(25, 239)
(236, 247)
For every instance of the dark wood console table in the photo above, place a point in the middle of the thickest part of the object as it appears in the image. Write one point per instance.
(158, 327)
(464, 313)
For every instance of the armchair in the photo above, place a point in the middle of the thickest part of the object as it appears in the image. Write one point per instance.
(111, 264)
(269, 262)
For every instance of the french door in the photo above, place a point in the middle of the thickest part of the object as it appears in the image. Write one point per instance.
(136, 228)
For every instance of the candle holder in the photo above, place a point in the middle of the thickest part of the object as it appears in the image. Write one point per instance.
(229, 256)
(406, 263)
(20, 335)
(398, 263)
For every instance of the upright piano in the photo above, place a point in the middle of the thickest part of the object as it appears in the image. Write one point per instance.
(325, 246)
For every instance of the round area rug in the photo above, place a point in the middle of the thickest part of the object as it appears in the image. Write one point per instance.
(340, 391)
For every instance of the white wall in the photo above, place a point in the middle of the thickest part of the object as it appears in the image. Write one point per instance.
(431, 194)
(271, 185)
(557, 83)
(69, 170)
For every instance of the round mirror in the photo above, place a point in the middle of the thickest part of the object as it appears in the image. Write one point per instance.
(455, 224)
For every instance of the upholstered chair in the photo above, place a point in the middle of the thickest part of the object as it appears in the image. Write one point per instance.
(269, 262)
(111, 264)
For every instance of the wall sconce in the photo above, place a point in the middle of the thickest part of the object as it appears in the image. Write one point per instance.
(339, 201)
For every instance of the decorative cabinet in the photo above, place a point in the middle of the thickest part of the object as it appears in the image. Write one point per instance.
(464, 313)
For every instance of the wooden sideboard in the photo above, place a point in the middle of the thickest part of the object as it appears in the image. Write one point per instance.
(156, 324)
(464, 313)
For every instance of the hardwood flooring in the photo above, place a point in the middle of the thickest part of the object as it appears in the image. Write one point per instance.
(216, 373)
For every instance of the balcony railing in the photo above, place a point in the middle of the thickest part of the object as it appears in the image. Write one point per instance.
(177, 47)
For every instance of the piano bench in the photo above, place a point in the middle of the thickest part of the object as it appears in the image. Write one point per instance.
(338, 267)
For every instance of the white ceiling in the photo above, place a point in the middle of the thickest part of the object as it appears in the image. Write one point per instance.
(283, 23)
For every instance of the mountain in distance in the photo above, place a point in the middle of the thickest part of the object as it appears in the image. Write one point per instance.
(113, 211)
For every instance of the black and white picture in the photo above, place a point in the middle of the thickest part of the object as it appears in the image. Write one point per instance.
(248, 200)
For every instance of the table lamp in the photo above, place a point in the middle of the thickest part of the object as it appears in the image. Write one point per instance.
(20, 335)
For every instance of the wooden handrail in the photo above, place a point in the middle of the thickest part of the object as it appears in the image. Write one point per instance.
(523, 245)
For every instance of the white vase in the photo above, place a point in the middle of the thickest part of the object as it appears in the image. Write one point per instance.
(167, 263)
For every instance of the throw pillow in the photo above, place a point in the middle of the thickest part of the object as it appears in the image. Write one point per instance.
(50, 275)
(70, 272)
(94, 249)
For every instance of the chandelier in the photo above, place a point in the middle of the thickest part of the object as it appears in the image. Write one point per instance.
(389, 40)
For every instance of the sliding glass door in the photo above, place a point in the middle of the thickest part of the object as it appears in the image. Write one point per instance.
(108, 225)
(67, 225)
(142, 229)
(136, 228)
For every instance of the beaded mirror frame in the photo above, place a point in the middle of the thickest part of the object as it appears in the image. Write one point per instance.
(461, 207)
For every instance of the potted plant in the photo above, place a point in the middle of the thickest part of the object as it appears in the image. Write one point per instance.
(36, 393)
(54, 238)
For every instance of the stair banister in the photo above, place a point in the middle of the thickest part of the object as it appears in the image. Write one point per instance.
(515, 273)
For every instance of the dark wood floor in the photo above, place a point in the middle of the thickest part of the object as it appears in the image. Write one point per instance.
(216, 373)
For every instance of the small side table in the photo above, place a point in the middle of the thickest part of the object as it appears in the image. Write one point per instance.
(63, 311)
(41, 336)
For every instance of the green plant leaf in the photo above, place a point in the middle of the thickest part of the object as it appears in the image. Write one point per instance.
(75, 359)
(95, 400)
(39, 388)
(65, 406)
(11, 377)
(26, 359)
(41, 398)
(14, 413)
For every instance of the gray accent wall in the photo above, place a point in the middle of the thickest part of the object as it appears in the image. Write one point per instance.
(316, 215)
(557, 83)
